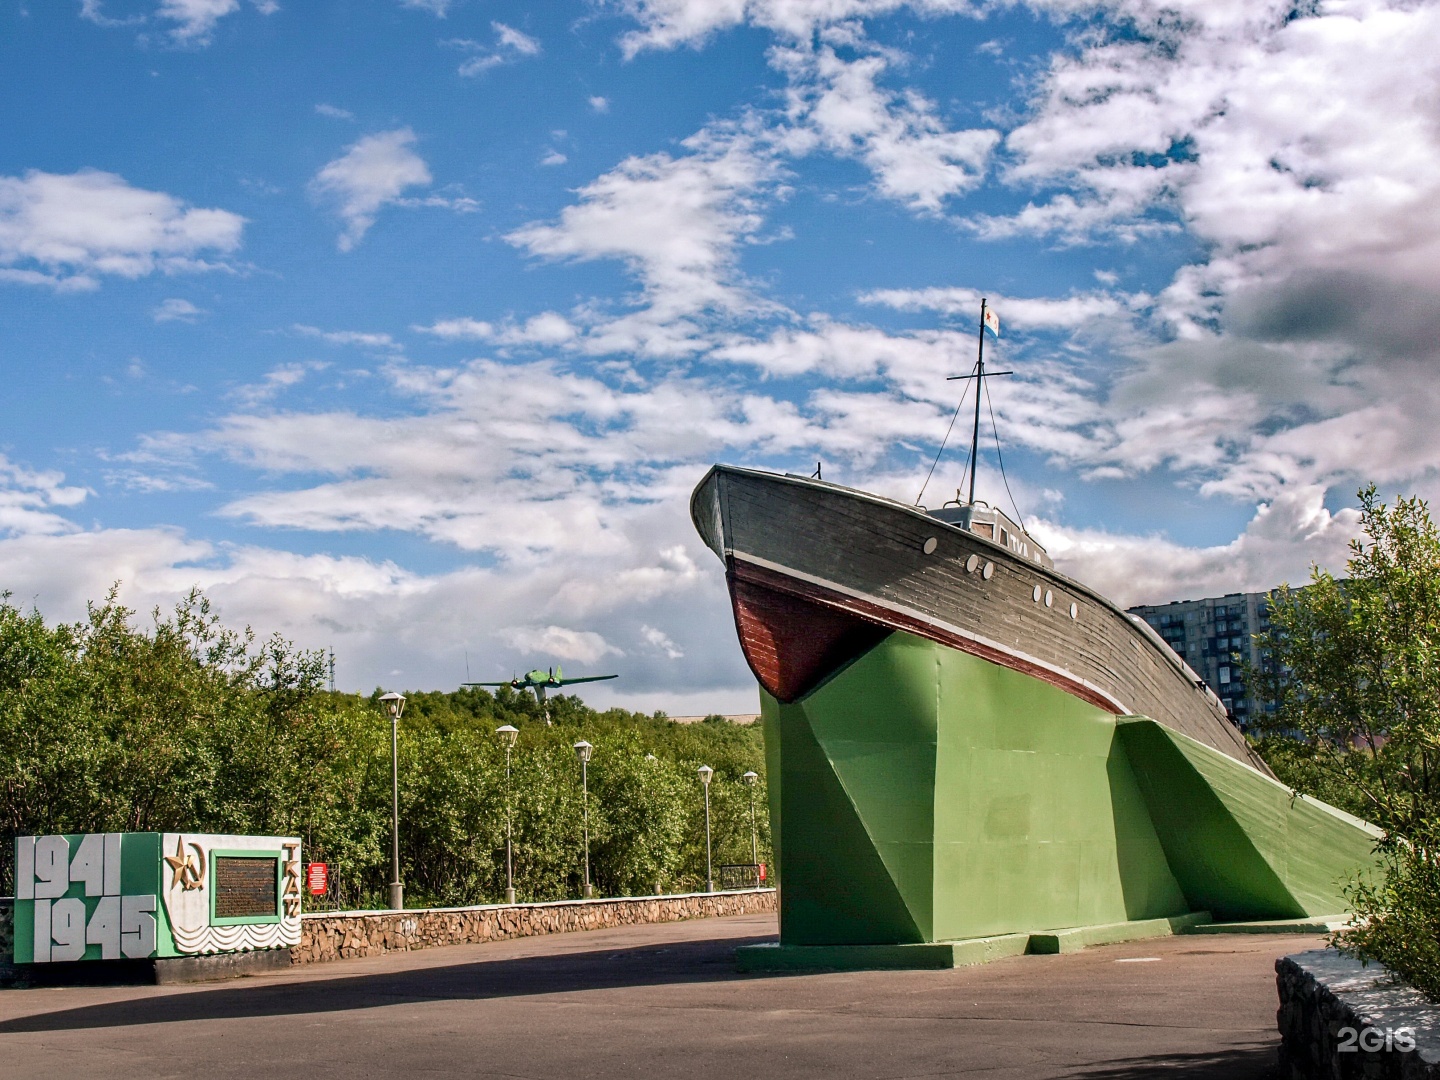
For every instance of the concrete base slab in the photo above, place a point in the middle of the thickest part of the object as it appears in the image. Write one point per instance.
(191, 969)
(1315, 924)
(923, 956)
(953, 954)
(1082, 937)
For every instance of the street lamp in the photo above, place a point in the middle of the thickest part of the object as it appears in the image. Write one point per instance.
(395, 703)
(508, 734)
(658, 890)
(750, 779)
(705, 774)
(583, 750)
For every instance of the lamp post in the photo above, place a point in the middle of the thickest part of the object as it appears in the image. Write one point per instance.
(750, 779)
(651, 758)
(508, 734)
(395, 703)
(583, 750)
(705, 774)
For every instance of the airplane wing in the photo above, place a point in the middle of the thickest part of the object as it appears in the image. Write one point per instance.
(585, 678)
(507, 682)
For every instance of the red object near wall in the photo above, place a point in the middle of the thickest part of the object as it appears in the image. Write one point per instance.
(317, 878)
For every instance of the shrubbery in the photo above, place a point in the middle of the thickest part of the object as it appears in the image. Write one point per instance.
(1357, 677)
(189, 726)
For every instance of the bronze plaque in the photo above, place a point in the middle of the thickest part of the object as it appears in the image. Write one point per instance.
(246, 888)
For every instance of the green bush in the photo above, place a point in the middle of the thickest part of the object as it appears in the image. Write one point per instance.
(189, 726)
(1356, 673)
(1400, 924)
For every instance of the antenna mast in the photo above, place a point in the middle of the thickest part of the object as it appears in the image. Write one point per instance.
(979, 383)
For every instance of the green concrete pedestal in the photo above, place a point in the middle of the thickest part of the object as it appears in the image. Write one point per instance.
(931, 808)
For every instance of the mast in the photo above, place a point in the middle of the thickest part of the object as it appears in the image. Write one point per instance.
(979, 386)
(979, 375)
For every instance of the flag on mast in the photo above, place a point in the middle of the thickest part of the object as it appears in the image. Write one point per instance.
(992, 321)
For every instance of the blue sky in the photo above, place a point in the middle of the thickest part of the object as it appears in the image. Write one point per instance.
(405, 328)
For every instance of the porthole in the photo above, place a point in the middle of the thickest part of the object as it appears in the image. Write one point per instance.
(1074, 611)
(989, 571)
(971, 563)
(1035, 595)
(930, 545)
(1049, 598)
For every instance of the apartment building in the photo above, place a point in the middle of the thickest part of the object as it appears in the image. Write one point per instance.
(1214, 636)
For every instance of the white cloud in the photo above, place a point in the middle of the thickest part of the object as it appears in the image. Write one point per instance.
(1292, 352)
(509, 46)
(554, 157)
(1028, 313)
(370, 174)
(93, 11)
(582, 645)
(658, 639)
(900, 137)
(374, 341)
(68, 231)
(1286, 535)
(515, 41)
(195, 19)
(30, 501)
(600, 104)
(458, 330)
(176, 310)
(666, 24)
(546, 329)
(277, 380)
(842, 351)
(438, 8)
(836, 102)
(677, 223)
(393, 626)
(570, 463)
(334, 112)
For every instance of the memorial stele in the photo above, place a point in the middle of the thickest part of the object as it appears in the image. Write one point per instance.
(152, 895)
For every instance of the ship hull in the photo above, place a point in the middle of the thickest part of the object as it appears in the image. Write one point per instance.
(962, 743)
(818, 573)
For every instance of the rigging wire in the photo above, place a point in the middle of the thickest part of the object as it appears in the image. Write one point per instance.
(954, 416)
(1019, 517)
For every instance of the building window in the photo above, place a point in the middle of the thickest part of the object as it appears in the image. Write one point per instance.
(1224, 675)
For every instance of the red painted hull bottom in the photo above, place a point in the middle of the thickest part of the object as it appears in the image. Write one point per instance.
(790, 641)
(795, 634)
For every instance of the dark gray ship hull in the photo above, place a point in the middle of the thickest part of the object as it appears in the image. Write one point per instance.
(819, 573)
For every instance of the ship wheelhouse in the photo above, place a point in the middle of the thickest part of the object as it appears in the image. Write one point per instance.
(993, 524)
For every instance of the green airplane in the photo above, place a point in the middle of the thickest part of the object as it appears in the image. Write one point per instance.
(540, 681)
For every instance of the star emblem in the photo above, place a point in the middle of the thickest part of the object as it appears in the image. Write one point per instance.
(188, 874)
(180, 863)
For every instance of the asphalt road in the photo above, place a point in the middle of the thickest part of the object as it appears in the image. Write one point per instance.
(667, 1001)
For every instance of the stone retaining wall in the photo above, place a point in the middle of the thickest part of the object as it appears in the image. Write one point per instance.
(1339, 1019)
(342, 935)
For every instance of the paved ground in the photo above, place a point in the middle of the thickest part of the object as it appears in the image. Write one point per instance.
(666, 1001)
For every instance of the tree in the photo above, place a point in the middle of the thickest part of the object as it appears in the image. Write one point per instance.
(106, 726)
(1357, 680)
(1356, 667)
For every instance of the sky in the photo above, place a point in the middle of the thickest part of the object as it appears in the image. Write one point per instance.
(405, 328)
